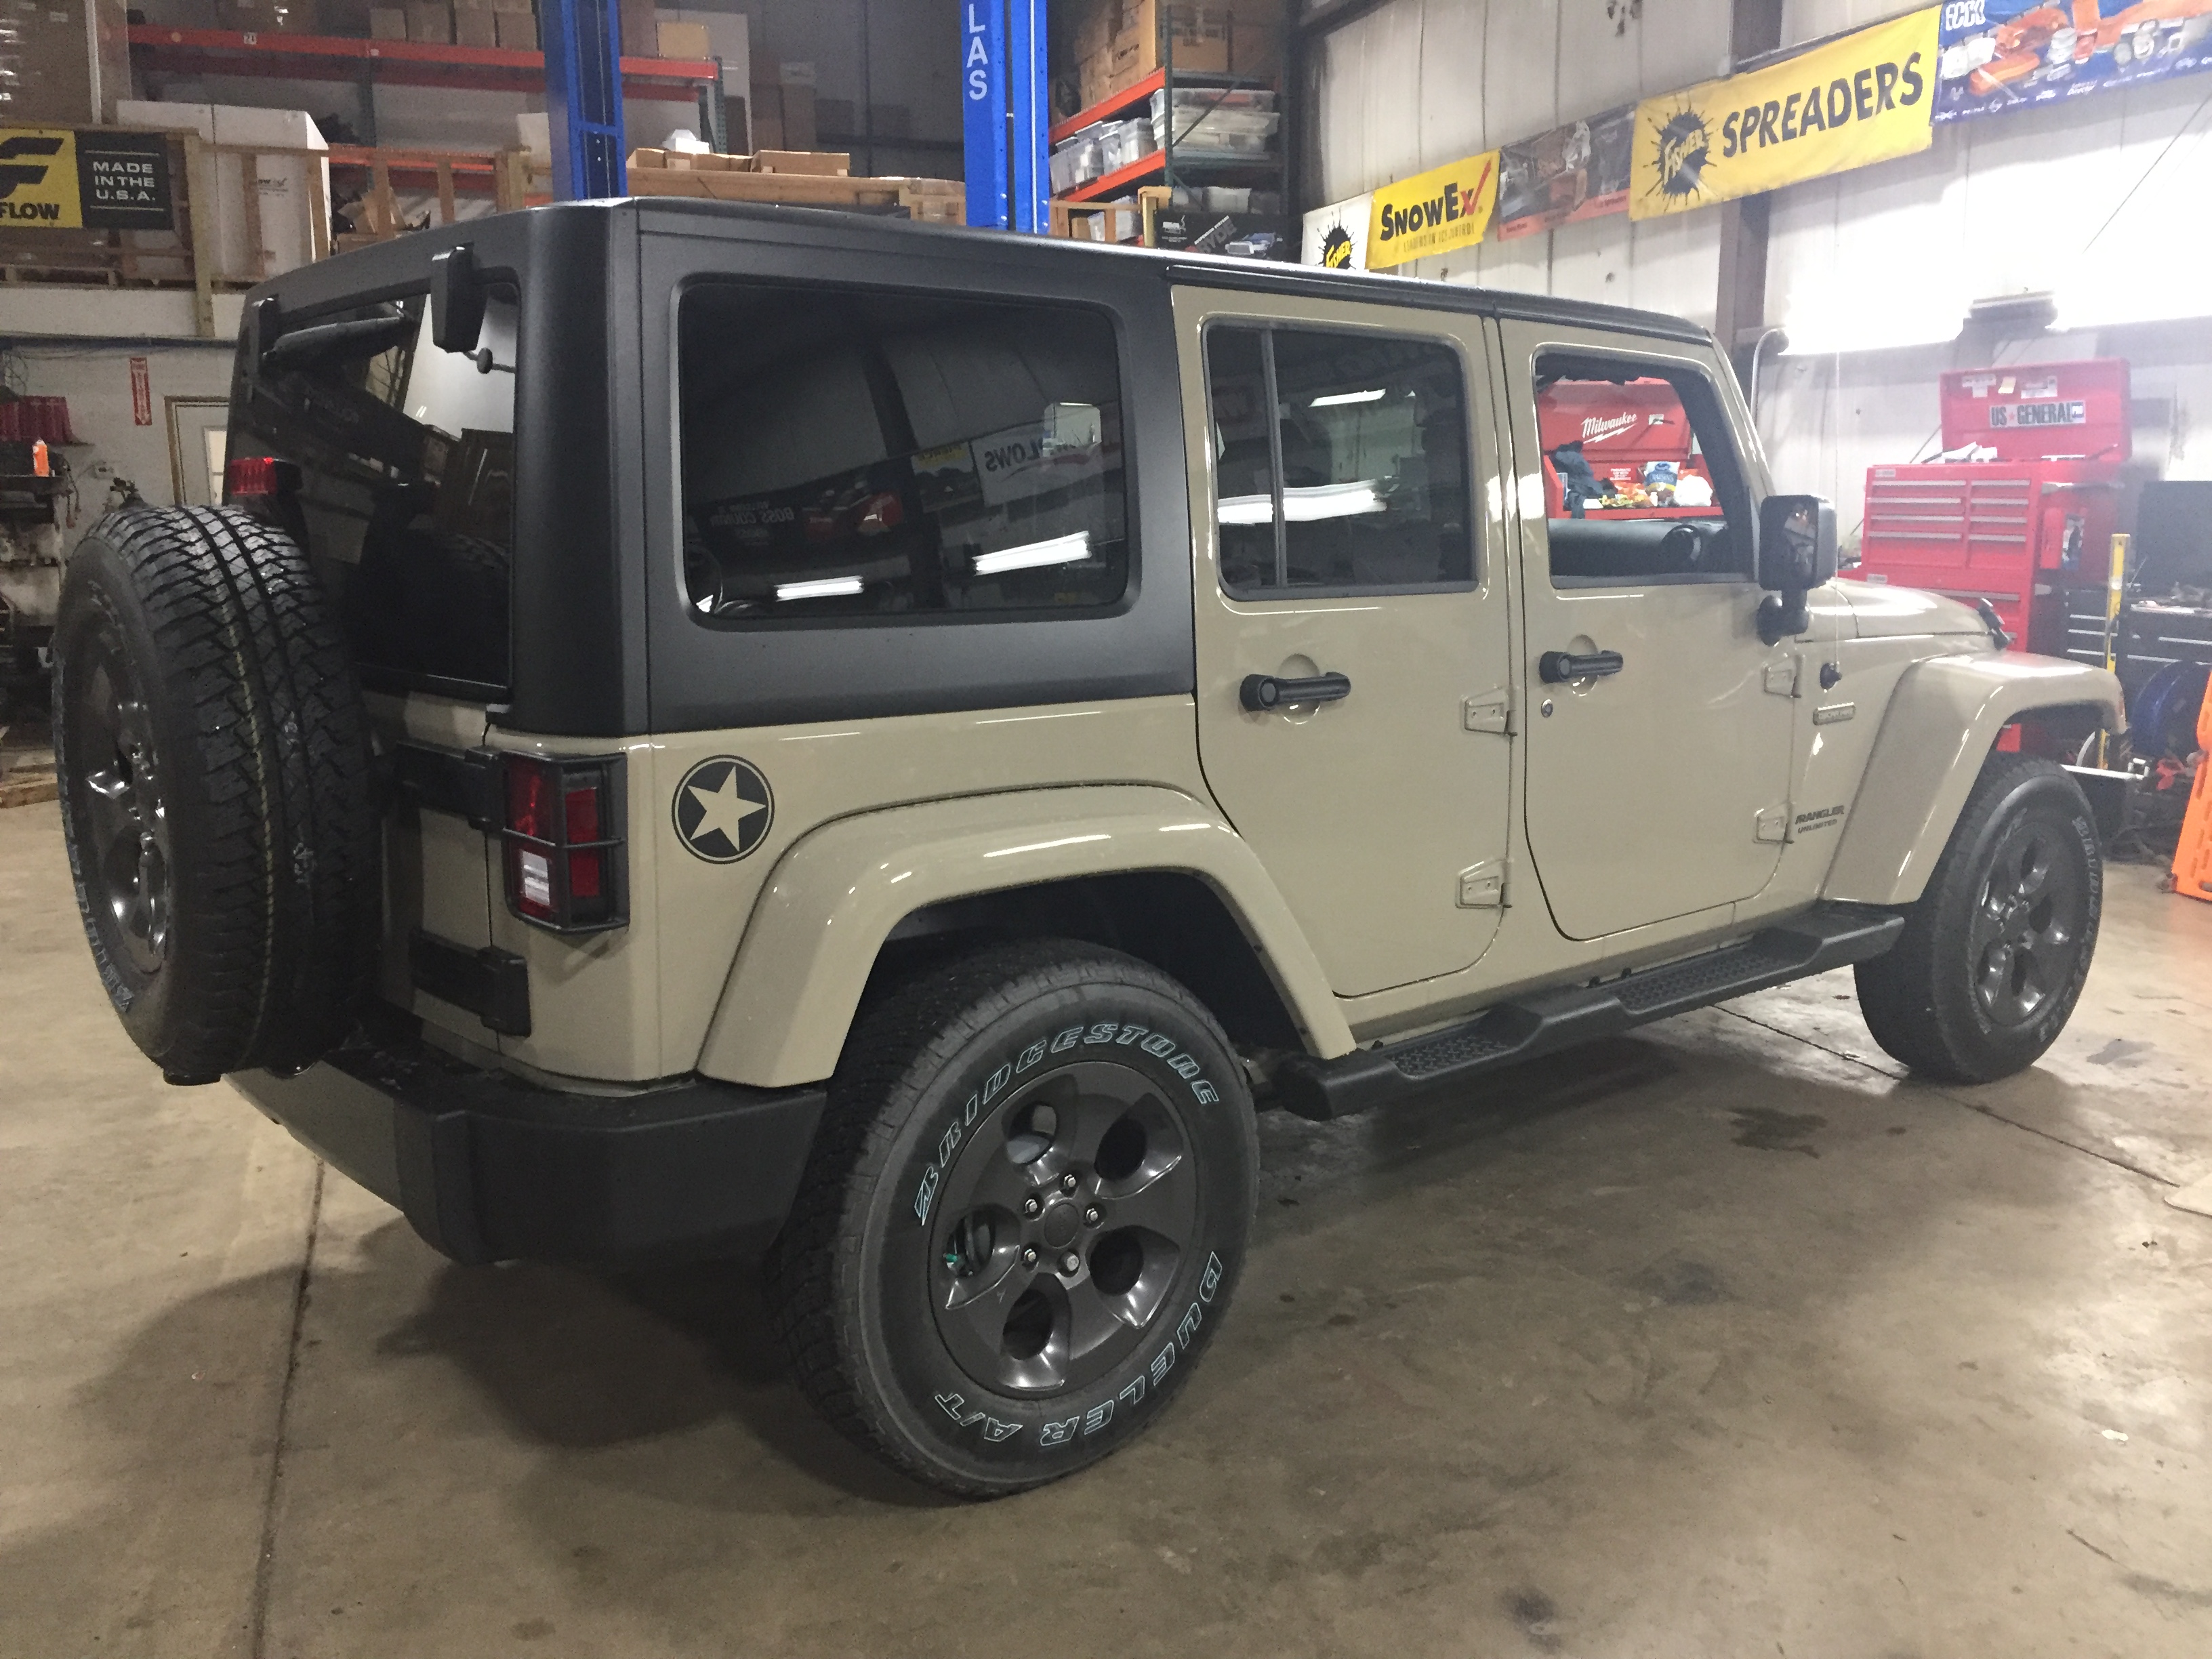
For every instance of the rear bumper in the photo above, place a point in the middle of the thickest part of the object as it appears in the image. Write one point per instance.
(487, 1168)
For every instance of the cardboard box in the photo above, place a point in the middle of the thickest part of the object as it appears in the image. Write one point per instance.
(835, 115)
(388, 22)
(472, 27)
(1201, 37)
(1095, 25)
(686, 40)
(517, 30)
(795, 74)
(70, 60)
(282, 188)
(640, 29)
(766, 106)
(800, 132)
(1095, 77)
(430, 21)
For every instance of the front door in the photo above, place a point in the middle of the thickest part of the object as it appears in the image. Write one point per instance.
(1659, 750)
(1352, 636)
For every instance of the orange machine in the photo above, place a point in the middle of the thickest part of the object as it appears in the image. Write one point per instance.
(2031, 520)
(2192, 858)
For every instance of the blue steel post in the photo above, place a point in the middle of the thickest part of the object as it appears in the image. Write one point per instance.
(583, 98)
(1029, 97)
(983, 109)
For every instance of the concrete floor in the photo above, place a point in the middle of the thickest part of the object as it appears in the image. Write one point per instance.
(1722, 1341)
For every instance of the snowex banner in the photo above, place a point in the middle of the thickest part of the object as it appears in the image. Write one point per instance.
(57, 178)
(1999, 55)
(1862, 98)
(1433, 212)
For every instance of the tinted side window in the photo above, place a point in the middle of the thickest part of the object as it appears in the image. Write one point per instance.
(1339, 461)
(1640, 482)
(406, 498)
(848, 454)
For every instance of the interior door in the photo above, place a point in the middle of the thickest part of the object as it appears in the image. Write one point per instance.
(1353, 634)
(1659, 747)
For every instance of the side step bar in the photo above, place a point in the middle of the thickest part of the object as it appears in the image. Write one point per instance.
(1828, 936)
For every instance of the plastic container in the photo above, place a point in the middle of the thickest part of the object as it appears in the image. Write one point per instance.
(1195, 100)
(1231, 132)
(1122, 143)
(1077, 161)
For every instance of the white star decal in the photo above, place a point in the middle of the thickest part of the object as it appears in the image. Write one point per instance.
(724, 809)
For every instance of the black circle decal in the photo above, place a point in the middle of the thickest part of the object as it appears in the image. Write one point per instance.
(1336, 249)
(722, 809)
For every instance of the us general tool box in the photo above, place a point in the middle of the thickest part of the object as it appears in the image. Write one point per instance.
(2029, 516)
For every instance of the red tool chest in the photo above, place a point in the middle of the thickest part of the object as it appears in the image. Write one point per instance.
(1637, 438)
(2022, 527)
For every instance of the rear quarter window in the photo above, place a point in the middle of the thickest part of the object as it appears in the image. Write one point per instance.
(850, 455)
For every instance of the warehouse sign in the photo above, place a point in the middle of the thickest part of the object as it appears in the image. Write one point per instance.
(53, 178)
(1432, 212)
(1862, 99)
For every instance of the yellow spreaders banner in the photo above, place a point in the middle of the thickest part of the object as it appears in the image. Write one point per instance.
(1860, 99)
(1432, 212)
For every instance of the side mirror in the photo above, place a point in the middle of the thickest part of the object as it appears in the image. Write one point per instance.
(1797, 553)
(457, 300)
(1796, 543)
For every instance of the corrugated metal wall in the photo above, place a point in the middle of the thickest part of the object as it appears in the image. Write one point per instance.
(1891, 252)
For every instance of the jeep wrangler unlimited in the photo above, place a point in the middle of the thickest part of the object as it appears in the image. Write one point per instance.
(703, 728)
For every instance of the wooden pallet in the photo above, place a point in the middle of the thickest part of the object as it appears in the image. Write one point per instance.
(795, 178)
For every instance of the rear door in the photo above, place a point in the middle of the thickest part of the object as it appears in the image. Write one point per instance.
(1343, 529)
(1659, 768)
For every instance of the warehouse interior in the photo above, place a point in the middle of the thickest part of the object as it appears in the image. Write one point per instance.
(1725, 1331)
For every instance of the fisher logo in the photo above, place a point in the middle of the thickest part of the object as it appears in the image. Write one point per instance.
(1684, 146)
(1336, 249)
(21, 166)
(722, 809)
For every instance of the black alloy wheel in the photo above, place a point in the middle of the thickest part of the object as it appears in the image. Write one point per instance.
(1022, 1217)
(1993, 955)
(118, 784)
(1061, 1236)
(2025, 939)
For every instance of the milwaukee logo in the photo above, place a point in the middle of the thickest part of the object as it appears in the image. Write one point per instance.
(1596, 428)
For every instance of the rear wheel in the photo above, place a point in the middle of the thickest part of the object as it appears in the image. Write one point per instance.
(1023, 1218)
(1993, 956)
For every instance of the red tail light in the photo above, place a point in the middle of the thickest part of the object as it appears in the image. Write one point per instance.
(563, 841)
(252, 477)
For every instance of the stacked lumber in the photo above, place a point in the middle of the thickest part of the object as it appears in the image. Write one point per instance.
(801, 177)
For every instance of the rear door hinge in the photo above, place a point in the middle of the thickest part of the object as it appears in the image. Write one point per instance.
(1488, 711)
(1482, 886)
(1772, 823)
(1782, 678)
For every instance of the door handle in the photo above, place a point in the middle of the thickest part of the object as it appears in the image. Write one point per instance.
(1557, 667)
(1261, 692)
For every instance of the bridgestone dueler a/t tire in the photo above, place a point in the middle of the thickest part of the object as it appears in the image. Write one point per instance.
(944, 1095)
(216, 790)
(1921, 1000)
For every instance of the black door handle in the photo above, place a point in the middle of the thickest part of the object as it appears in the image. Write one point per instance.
(1261, 692)
(1557, 667)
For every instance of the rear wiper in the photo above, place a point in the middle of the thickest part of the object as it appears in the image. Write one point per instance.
(363, 337)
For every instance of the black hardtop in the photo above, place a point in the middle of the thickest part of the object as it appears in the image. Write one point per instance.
(696, 216)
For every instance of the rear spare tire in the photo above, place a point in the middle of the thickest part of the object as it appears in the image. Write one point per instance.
(216, 789)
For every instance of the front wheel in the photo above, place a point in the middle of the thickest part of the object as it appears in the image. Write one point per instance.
(1023, 1218)
(1992, 958)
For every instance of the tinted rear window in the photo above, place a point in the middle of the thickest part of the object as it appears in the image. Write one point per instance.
(406, 454)
(850, 455)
